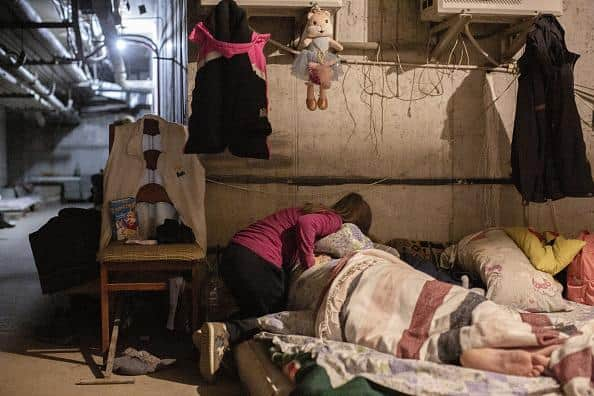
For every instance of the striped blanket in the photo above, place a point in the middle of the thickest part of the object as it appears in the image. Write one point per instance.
(378, 301)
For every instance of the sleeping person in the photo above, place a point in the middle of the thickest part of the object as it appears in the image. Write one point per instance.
(255, 267)
(376, 300)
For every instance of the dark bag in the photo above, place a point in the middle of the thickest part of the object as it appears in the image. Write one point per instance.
(173, 232)
(65, 249)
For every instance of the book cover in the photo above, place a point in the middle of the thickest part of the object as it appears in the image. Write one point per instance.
(124, 220)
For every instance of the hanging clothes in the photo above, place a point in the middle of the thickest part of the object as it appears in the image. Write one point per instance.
(229, 100)
(548, 152)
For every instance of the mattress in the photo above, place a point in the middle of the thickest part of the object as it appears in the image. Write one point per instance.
(18, 204)
(344, 361)
(257, 372)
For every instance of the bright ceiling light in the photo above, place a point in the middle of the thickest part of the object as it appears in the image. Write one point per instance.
(120, 44)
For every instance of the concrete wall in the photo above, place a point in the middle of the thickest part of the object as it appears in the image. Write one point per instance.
(3, 151)
(52, 149)
(455, 132)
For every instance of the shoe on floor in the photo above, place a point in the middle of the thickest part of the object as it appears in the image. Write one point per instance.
(213, 341)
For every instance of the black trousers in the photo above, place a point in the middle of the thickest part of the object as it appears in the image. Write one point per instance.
(259, 288)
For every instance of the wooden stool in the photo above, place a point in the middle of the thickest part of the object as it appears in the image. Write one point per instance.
(137, 260)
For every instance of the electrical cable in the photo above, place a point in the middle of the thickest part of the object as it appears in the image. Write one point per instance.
(478, 46)
(346, 102)
(291, 195)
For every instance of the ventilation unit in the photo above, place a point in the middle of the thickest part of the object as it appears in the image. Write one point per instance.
(489, 10)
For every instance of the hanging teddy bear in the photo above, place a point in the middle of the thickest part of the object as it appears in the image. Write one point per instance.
(316, 64)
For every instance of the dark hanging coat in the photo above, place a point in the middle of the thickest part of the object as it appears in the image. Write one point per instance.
(548, 152)
(229, 100)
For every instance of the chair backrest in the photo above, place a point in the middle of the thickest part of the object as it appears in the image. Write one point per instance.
(152, 191)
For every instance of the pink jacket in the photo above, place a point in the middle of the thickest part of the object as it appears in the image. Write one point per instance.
(288, 234)
(211, 48)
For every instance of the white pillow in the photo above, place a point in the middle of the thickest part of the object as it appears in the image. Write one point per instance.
(510, 277)
(344, 241)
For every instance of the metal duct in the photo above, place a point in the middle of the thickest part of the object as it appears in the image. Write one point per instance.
(108, 26)
(32, 83)
(24, 11)
(107, 89)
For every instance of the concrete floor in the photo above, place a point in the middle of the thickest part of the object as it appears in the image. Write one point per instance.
(32, 367)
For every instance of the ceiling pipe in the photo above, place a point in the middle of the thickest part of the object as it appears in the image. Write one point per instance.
(25, 12)
(108, 26)
(9, 78)
(106, 86)
(65, 118)
(28, 79)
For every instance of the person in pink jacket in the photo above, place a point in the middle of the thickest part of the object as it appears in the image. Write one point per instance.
(256, 264)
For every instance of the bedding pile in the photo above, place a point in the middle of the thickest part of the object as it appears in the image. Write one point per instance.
(426, 320)
(365, 305)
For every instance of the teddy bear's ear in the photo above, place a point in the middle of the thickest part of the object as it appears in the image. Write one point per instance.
(310, 15)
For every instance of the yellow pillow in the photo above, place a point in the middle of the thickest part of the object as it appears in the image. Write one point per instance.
(547, 258)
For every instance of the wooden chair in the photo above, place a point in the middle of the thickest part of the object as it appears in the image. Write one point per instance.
(134, 262)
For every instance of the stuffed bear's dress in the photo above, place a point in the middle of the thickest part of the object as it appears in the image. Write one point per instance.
(318, 52)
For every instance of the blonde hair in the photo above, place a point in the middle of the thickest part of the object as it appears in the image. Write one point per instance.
(351, 208)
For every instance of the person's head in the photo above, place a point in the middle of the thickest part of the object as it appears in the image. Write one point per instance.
(352, 208)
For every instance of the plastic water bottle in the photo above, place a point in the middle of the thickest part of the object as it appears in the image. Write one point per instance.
(213, 297)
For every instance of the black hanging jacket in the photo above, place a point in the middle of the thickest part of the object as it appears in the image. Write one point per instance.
(229, 100)
(548, 152)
